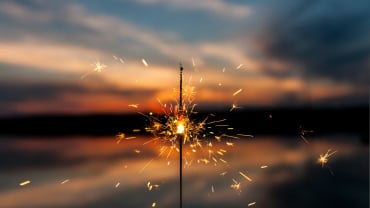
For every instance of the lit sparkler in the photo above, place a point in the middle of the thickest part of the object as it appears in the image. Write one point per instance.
(176, 128)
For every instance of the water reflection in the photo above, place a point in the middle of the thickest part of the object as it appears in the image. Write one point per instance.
(101, 173)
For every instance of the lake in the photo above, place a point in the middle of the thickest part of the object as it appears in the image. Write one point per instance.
(263, 171)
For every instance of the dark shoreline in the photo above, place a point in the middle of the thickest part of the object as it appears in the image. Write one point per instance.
(257, 121)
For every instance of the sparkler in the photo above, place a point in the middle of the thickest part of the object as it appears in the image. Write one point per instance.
(180, 131)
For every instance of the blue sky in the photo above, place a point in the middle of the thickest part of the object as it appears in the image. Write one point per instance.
(286, 53)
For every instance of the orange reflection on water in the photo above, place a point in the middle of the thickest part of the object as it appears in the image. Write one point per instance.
(94, 167)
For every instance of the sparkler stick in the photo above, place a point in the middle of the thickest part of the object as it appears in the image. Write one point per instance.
(180, 135)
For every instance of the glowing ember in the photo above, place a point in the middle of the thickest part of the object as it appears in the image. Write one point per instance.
(303, 133)
(65, 181)
(323, 159)
(251, 204)
(245, 176)
(134, 105)
(264, 166)
(234, 106)
(235, 185)
(237, 92)
(24, 183)
(144, 62)
(99, 66)
(152, 186)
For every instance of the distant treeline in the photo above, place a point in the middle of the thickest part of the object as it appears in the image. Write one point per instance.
(258, 121)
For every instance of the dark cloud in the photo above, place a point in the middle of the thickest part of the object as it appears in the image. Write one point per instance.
(11, 92)
(323, 38)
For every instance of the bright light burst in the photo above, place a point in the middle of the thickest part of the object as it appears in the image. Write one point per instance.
(196, 134)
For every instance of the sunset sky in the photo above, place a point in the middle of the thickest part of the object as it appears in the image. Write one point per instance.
(279, 53)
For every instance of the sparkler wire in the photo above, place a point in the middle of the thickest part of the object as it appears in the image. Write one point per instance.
(180, 136)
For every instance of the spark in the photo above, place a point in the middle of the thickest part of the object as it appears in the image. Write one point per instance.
(223, 173)
(117, 184)
(201, 80)
(213, 189)
(65, 181)
(264, 166)
(303, 133)
(98, 67)
(323, 159)
(235, 185)
(24, 183)
(134, 105)
(237, 92)
(144, 62)
(229, 144)
(224, 69)
(136, 130)
(137, 151)
(145, 166)
(115, 57)
(119, 137)
(192, 60)
(154, 204)
(121, 60)
(251, 204)
(151, 186)
(239, 66)
(234, 106)
(128, 138)
(245, 135)
(245, 176)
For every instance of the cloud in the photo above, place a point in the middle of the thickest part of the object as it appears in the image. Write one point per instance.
(321, 41)
(75, 31)
(36, 97)
(215, 7)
